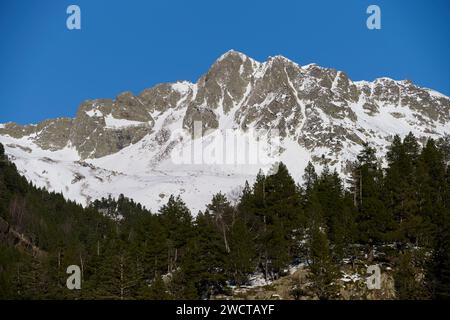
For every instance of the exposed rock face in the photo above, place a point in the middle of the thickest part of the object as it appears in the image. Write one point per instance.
(167, 96)
(53, 134)
(125, 145)
(16, 130)
(103, 127)
(317, 107)
(220, 90)
(273, 101)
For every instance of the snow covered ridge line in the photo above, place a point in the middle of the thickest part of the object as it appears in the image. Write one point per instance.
(196, 139)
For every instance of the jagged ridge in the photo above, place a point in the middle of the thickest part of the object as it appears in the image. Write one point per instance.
(321, 114)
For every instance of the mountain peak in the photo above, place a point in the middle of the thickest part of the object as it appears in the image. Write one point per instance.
(232, 53)
(280, 57)
(321, 115)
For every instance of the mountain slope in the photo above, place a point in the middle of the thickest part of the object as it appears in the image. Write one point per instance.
(141, 145)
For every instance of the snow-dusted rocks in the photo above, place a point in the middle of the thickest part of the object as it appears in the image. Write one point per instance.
(126, 145)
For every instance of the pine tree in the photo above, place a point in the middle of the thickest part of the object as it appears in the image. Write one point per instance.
(374, 221)
(241, 260)
(337, 212)
(309, 177)
(34, 280)
(119, 276)
(156, 290)
(408, 284)
(150, 246)
(444, 146)
(276, 204)
(177, 220)
(223, 215)
(204, 264)
(2, 153)
(438, 273)
(400, 187)
(323, 272)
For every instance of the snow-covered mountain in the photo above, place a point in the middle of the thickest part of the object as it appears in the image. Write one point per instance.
(133, 144)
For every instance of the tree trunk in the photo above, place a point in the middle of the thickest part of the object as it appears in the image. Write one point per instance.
(82, 267)
(121, 278)
(227, 248)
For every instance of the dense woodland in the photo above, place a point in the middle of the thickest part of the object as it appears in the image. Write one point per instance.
(127, 252)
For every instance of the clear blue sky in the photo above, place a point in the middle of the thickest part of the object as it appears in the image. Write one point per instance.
(46, 70)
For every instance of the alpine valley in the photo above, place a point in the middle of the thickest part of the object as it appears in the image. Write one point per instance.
(163, 195)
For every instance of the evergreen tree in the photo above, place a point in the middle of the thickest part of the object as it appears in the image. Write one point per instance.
(374, 221)
(119, 275)
(177, 220)
(408, 284)
(337, 210)
(204, 265)
(309, 177)
(241, 260)
(126, 252)
(323, 272)
(438, 273)
(400, 188)
(223, 215)
(276, 205)
(2, 152)
(156, 290)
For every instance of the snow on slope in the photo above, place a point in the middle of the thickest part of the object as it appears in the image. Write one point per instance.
(113, 123)
(311, 101)
(132, 172)
(62, 171)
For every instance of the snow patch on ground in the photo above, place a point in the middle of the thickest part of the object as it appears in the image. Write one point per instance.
(114, 123)
(182, 87)
(355, 277)
(258, 280)
(94, 113)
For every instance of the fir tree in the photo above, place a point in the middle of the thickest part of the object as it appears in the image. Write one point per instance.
(309, 177)
(408, 284)
(2, 153)
(323, 272)
(204, 265)
(438, 273)
(400, 187)
(223, 215)
(242, 258)
(177, 220)
(374, 221)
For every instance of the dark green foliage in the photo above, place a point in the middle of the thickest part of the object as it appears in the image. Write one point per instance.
(438, 275)
(241, 261)
(157, 290)
(408, 278)
(176, 219)
(204, 264)
(126, 252)
(323, 271)
(374, 221)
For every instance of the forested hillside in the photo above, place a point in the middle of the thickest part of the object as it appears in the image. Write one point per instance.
(398, 215)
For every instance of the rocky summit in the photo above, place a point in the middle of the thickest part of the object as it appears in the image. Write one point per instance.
(124, 145)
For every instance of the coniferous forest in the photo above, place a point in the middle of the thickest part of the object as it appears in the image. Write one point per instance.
(394, 212)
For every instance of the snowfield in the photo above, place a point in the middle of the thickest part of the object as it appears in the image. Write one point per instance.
(132, 173)
(168, 160)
